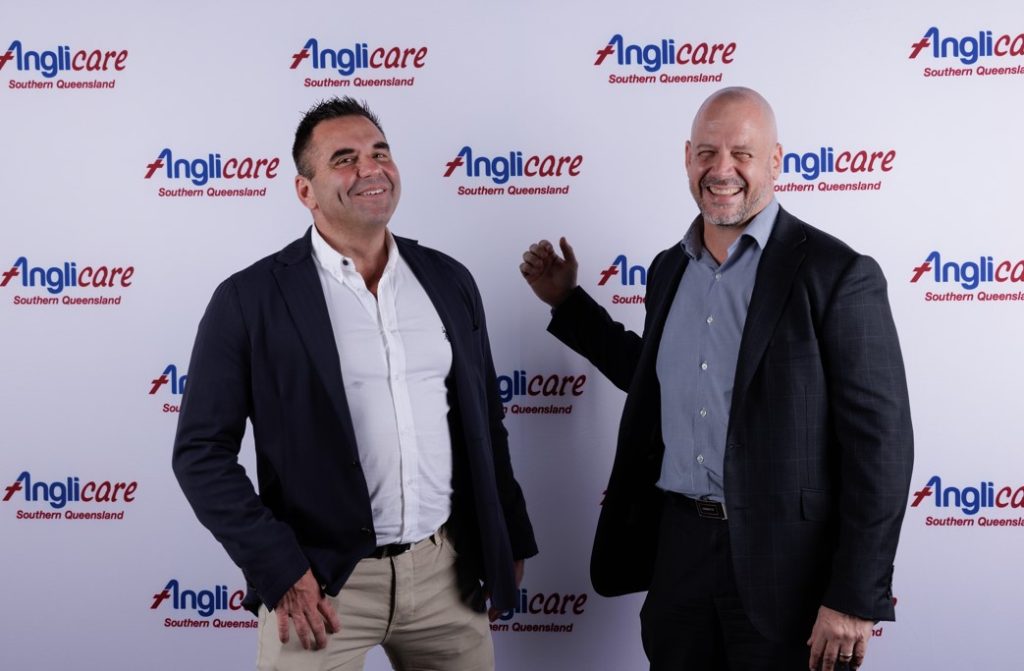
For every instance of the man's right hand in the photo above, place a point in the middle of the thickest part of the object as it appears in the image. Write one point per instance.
(552, 277)
(309, 609)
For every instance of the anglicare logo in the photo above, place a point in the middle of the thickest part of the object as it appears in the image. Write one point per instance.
(830, 169)
(210, 604)
(540, 393)
(71, 498)
(990, 53)
(233, 177)
(169, 383)
(986, 279)
(666, 61)
(505, 174)
(59, 285)
(358, 65)
(543, 612)
(622, 276)
(982, 504)
(61, 67)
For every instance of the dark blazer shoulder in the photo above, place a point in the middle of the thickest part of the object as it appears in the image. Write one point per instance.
(443, 272)
(437, 260)
(819, 245)
(260, 272)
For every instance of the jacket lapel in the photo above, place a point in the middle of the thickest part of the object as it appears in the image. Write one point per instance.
(304, 297)
(780, 261)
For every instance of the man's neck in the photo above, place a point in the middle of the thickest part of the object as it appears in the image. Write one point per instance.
(718, 239)
(367, 249)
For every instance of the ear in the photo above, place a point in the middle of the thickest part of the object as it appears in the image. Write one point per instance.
(776, 161)
(687, 154)
(304, 190)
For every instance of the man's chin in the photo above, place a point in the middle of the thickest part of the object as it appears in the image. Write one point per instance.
(724, 221)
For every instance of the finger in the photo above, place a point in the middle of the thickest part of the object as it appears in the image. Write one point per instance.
(860, 651)
(542, 250)
(537, 263)
(817, 650)
(282, 625)
(317, 629)
(828, 658)
(330, 615)
(302, 631)
(567, 251)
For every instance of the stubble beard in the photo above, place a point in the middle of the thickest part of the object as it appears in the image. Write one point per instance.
(739, 218)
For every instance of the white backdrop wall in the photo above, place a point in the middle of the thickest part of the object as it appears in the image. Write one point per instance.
(90, 389)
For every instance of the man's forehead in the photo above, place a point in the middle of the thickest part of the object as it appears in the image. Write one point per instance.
(357, 130)
(738, 125)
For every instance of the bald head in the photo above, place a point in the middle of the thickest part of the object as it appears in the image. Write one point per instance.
(733, 157)
(749, 100)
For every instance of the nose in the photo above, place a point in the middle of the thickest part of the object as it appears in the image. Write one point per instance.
(723, 165)
(367, 166)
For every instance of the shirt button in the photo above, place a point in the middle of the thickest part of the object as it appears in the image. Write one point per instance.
(703, 412)
(710, 319)
(700, 458)
(344, 262)
(718, 276)
(703, 365)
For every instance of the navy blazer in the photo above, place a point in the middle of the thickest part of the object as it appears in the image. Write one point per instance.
(819, 447)
(265, 351)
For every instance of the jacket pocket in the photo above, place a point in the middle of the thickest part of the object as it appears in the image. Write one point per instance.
(814, 505)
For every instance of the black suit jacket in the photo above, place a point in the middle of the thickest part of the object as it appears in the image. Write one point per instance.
(265, 351)
(819, 444)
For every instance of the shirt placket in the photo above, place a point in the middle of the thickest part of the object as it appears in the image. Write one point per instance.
(401, 399)
(702, 436)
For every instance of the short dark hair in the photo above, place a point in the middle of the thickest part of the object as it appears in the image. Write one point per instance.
(332, 108)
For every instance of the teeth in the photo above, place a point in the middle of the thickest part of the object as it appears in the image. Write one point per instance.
(372, 193)
(724, 191)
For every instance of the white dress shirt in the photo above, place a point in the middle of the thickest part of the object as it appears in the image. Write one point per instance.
(395, 356)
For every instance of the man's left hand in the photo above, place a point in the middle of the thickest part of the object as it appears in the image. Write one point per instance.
(838, 637)
(519, 567)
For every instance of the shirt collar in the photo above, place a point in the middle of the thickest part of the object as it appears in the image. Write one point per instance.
(340, 266)
(759, 230)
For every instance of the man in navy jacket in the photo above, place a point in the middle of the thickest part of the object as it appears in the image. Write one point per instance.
(387, 507)
(765, 450)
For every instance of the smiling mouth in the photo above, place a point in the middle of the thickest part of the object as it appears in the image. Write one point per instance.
(723, 190)
(371, 192)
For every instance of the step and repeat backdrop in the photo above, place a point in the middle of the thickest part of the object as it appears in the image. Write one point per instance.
(146, 156)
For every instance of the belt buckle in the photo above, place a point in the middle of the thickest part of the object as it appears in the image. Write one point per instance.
(391, 550)
(712, 510)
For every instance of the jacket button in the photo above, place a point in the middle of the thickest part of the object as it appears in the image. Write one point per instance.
(366, 531)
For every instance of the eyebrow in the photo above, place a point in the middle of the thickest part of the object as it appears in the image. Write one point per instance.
(345, 151)
(740, 147)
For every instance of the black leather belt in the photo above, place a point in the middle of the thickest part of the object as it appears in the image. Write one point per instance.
(394, 549)
(706, 508)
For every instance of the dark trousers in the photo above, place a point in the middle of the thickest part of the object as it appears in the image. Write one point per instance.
(693, 619)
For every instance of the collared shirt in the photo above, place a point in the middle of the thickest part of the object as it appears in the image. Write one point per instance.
(698, 353)
(395, 356)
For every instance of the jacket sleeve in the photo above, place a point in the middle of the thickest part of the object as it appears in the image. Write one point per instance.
(217, 401)
(871, 414)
